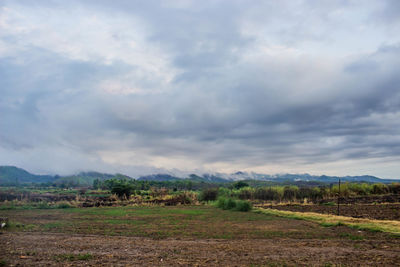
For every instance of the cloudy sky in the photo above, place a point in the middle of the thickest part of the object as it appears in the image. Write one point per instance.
(152, 86)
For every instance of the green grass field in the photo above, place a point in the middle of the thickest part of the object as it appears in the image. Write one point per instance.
(186, 234)
(159, 222)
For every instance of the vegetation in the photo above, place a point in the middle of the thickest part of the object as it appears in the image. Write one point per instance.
(163, 222)
(230, 204)
(290, 193)
(333, 220)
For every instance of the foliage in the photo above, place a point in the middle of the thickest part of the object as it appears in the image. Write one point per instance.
(209, 194)
(121, 188)
(229, 204)
(240, 184)
(242, 205)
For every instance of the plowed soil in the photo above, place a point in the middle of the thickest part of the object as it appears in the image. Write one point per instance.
(369, 211)
(43, 249)
(185, 236)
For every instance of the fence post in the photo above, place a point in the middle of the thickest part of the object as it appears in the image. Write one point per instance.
(338, 201)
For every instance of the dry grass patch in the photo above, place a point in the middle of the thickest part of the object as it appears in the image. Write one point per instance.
(333, 220)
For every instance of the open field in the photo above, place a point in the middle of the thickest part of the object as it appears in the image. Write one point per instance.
(185, 235)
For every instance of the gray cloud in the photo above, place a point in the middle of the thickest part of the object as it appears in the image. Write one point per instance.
(220, 86)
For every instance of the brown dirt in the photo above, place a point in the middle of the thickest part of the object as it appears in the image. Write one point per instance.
(370, 211)
(44, 249)
(244, 239)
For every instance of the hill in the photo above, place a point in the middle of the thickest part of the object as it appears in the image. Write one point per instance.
(84, 179)
(11, 175)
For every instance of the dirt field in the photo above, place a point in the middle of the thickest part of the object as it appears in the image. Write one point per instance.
(370, 211)
(184, 236)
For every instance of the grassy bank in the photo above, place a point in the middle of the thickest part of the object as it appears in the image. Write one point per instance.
(333, 220)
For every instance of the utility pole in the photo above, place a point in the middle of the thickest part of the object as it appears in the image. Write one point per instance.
(338, 201)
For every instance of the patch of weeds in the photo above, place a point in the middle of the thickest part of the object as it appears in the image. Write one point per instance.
(230, 204)
(44, 205)
(332, 224)
(64, 206)
(242, 205)
(8, 207)
(329, 204)
(3, 263)
(352, 237)
(73, 257)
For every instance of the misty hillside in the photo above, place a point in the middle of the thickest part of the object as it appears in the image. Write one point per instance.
(10, 175)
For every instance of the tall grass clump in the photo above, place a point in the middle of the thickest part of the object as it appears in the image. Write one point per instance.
(230, 204)
(226, 203)
(242, 205)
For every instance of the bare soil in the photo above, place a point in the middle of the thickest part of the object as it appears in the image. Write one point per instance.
(44, 249)
(185, 236)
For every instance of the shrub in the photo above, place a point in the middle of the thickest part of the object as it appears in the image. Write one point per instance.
(243, 205)
(245, 193)
(121, 189)
(209, 194)
(229, 204)
(240, 184)
(224, 192)
(379, 189)
(63, 206)
(226, 203)
(394, 188)
(221, 202)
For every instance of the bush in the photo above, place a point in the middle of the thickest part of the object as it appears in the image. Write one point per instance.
(379, 189)
(229, 204)
(240, 184)
(226, 203)
(209, 194)
(122, 189)
(243, 205)
(394, 188)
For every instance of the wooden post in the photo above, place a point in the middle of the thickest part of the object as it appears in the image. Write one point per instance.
(338, 201)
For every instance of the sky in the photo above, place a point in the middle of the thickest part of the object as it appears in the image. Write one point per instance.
(142, 87)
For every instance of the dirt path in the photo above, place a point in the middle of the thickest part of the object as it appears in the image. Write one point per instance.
(49, 249)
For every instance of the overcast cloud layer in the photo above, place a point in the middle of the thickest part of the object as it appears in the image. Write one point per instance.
(151, 86)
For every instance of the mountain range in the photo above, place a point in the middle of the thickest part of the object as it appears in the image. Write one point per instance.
(11, 175)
